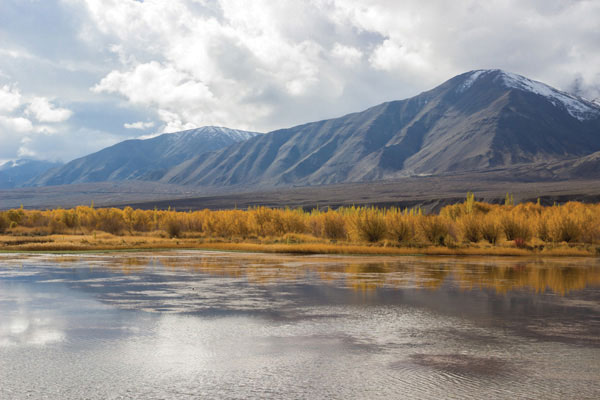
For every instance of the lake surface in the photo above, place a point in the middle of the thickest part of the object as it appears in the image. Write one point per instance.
(225, 325)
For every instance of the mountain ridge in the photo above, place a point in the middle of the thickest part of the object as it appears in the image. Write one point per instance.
(15, 173)
(142, 159)
(474, 121)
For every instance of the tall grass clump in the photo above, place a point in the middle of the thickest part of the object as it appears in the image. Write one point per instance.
(434, 229)
(226, 224)
(110, 220)
(571, 222)
(470, 226)
(574, 225)
(369, 224)
(294, 221)
(564, 228)
(173, 226)
(4, 222)
(490, 229)
(515, 227)
(265, 221)
(542, 230)
(331, 225)
(400, 225)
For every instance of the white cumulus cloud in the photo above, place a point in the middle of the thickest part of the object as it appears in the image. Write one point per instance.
(10, 98)
(15, 124)
(138, 125)
(156, 84)
(348, 54)
(263, 64)
(44, 111)
(19, 134)
(13, 130)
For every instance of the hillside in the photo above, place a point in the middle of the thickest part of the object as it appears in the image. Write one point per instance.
(480, 120)
(139, 159)
(14, 174)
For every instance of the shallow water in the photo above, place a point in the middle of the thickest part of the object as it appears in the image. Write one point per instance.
(225, 325)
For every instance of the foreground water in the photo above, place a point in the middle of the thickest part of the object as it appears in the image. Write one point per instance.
(222, 325)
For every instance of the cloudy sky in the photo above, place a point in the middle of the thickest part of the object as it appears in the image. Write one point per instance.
(79, 75)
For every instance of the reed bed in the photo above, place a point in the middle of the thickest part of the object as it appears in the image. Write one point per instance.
(469, 228)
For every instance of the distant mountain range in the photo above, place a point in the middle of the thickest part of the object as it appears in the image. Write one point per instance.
(484, 120)
(16, 173)
(139, 159)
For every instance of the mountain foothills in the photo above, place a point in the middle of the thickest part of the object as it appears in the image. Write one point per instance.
(480, 120)
(139, 159)
(484, 120)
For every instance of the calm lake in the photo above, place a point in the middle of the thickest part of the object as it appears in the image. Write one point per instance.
(193, 324)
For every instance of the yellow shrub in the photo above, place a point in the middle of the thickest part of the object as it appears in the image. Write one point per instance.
(4, 222)
(369, 224)
(434, 229)
(470, 228)
(490, 228)
(110, 220)
(400, 226)
(515, 227)
(470, 221)
(333, 225)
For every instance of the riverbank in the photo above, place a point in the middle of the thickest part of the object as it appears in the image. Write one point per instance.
(469, 228)
(290, 244)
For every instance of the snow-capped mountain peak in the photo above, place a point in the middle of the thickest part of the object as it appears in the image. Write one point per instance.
(576, 106)
(217, 131)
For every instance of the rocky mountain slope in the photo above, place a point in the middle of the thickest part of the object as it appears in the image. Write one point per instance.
(147, 159)
(480, 120)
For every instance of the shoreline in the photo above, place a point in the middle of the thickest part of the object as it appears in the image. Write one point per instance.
(464, 229)
(297, 249)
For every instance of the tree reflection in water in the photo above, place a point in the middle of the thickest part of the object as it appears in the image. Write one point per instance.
(502, 275)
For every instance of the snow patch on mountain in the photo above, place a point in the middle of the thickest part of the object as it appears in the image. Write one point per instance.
(217, 131)
(576, 106)
(470, 80)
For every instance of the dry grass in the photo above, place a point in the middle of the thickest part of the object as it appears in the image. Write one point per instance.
(309, 245)
(469, 228)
